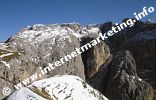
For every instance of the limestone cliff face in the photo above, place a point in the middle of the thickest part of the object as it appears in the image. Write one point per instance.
(117, 79)
(94, 58)
(126, 78)
(124, 83)
(140, 40)
(36, 47)
(143, 47)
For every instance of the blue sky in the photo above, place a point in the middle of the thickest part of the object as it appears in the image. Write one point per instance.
(16, 14)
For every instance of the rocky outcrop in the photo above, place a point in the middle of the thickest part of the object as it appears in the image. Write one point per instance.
(37, 47)
(94, 58)
(119, 41)
(117, 79)
(143, 47)
(140, 41)
(124, 83)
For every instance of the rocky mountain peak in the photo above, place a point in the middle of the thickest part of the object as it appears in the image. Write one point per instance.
(121, 67)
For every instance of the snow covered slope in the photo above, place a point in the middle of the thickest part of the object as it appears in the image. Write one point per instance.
(40, 32)
(65, 87)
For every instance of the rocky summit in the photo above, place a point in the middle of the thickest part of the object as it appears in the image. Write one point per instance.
(119, 68)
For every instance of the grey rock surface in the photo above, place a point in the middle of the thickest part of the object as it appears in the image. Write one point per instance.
(38, 47)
